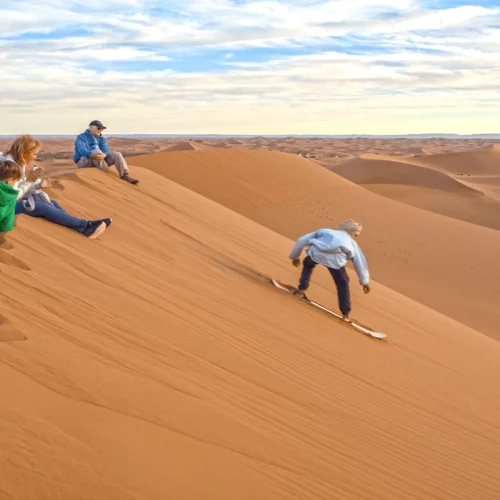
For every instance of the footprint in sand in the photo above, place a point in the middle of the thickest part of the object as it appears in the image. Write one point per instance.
(10, 260)
(8, 332)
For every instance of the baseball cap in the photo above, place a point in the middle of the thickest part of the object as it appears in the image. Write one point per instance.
(97, 123)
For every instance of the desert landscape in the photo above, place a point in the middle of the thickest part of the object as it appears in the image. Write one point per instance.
(159, 362)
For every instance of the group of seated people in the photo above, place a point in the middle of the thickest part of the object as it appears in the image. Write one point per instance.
(22, 192)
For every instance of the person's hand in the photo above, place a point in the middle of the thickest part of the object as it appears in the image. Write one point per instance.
(296, 262)
(98, 155)
(366, 288)
(52, 183)
(56, 184)
(35, 174)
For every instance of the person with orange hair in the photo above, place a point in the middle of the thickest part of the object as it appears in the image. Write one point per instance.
(33, 201)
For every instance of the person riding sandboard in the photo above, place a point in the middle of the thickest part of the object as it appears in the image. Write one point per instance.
(333, 249)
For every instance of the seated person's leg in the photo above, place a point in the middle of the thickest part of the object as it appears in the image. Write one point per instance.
(119, 162)
(56, 204)
(85, 162)
(53, 214)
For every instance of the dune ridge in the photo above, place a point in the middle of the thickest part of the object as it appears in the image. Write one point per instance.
(372, 170)
(161, 364)
(186, 146)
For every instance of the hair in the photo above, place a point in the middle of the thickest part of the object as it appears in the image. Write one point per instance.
(22, 146)
(351, 226)
(10, 170)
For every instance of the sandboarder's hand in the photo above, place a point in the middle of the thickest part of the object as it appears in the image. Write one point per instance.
(366, 288)
(296, 262)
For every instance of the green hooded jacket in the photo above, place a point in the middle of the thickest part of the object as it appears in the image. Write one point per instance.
(8, 197)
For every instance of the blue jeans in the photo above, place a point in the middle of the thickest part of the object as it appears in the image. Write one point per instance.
(340, 277)
(54, 213)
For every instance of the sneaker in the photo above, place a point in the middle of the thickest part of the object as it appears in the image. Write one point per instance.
(108, 222)
(94, 229)
(346, 318)
(127, 178)
(301, 295)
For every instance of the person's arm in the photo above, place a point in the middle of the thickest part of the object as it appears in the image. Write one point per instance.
(81, 147)
(25, 188)
(361, 266)
(302, 242)
(103, 145)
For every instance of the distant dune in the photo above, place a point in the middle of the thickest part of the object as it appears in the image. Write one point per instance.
(428, 182)
(377, 170)
(478, 162)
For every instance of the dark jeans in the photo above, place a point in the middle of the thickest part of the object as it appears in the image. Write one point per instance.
(339, 276)
(53, 212)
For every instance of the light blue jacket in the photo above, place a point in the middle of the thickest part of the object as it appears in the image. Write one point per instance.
(86, 143)
(333, 249)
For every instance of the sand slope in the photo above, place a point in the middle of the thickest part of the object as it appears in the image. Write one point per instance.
(444, 263)
(160, 364)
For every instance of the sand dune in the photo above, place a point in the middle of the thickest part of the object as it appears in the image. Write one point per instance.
(447, 264)
(479, 169)
(160, 364)
(186, 146)
(480, 161)
(370, 170)
(426, 187)
(483, 211)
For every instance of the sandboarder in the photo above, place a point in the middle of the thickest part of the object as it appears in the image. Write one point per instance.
(332, 249)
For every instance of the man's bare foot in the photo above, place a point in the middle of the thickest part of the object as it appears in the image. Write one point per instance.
(347, 318)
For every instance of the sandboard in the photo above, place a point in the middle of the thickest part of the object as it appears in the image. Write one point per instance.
(360, 328)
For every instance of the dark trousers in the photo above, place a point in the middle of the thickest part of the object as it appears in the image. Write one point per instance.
(53, 212)
(340, 277)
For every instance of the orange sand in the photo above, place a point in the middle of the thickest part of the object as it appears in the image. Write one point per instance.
(161, 364)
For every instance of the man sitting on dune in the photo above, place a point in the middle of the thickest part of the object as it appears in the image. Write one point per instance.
(92, 150)
(333, 249)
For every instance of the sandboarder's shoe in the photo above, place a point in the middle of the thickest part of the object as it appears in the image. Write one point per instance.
(346, 318)
(301, 295)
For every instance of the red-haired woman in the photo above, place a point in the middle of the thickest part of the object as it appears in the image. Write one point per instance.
(32, 201)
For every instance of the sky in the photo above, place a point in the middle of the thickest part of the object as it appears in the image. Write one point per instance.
(250, 66)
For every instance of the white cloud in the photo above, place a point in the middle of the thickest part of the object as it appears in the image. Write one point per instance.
(363, 63)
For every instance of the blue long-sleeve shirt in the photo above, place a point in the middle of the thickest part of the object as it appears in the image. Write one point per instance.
(333, 249)
(86, 143)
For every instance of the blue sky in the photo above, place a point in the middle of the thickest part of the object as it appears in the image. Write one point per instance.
(251, 67)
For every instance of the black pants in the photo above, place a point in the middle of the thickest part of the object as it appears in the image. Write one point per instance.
(339, 276)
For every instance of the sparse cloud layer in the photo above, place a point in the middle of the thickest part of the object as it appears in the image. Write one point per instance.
(248, 66)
